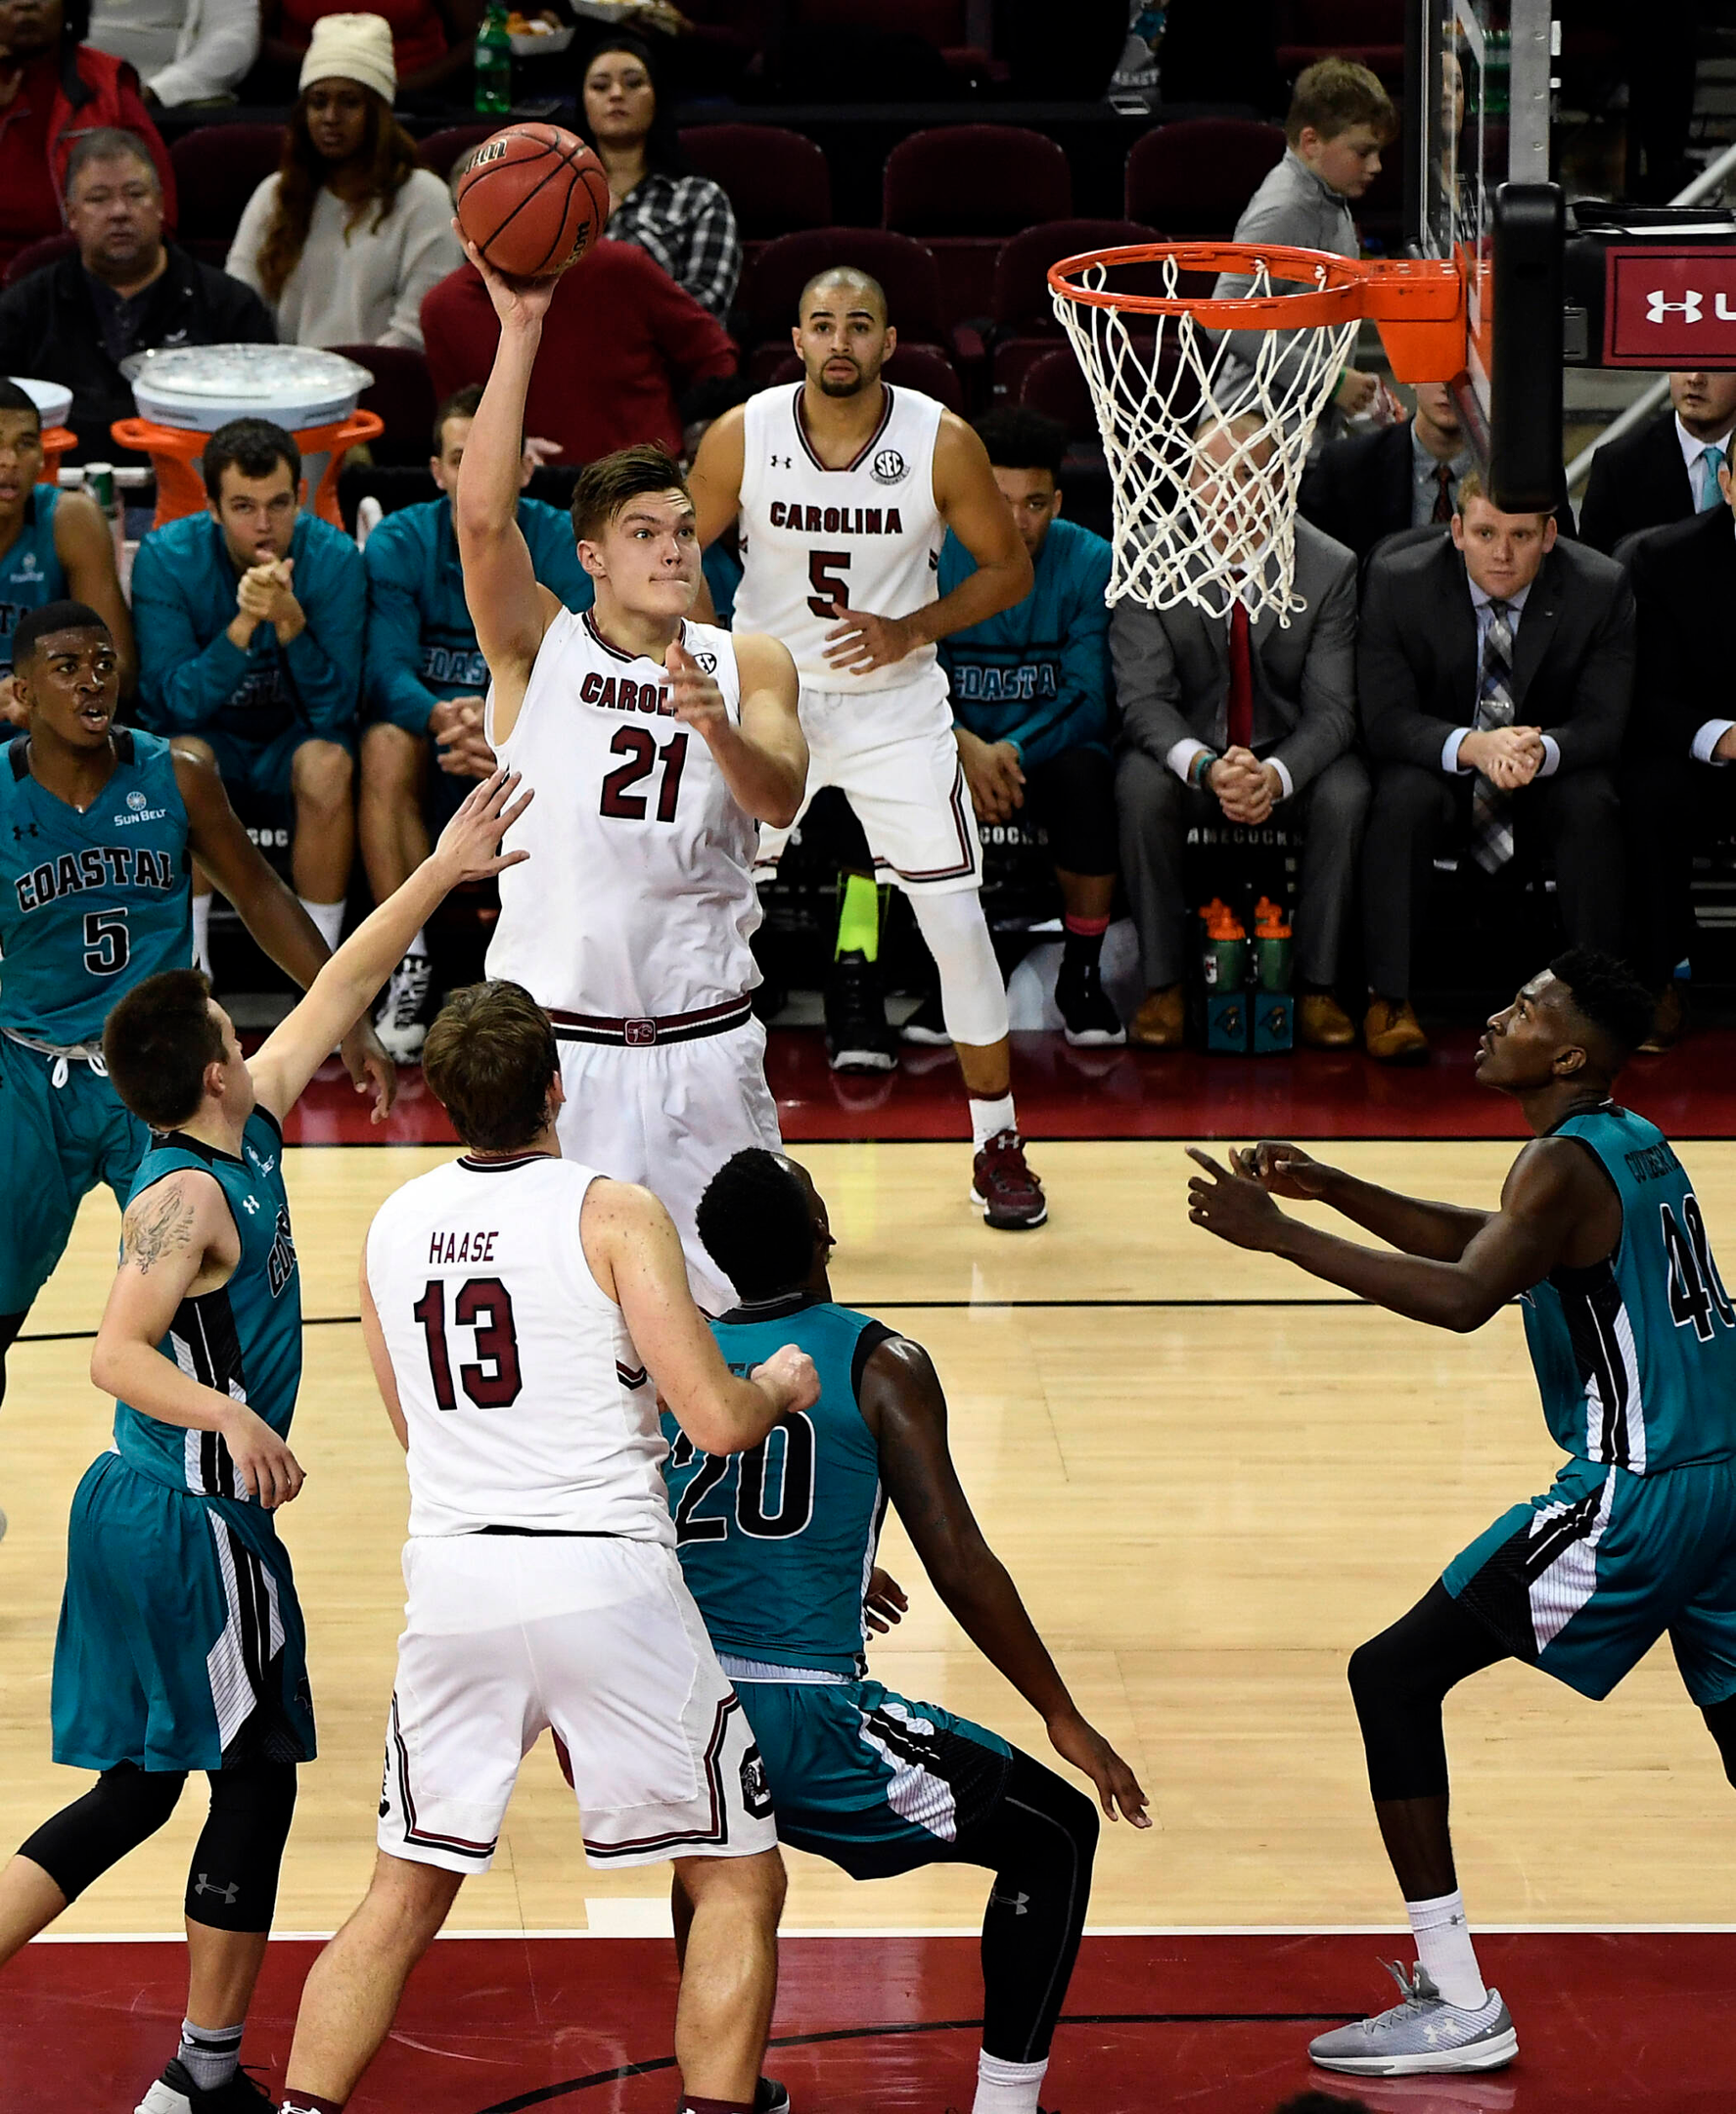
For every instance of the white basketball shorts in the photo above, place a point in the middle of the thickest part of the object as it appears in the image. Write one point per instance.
(669, 1115)
(597, 1639)
(892, 754)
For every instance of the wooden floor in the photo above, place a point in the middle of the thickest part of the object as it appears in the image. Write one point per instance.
(1208, 1501)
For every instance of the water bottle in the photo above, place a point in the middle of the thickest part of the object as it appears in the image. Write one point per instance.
(493, 65)
(1273, 946)
(99, 482)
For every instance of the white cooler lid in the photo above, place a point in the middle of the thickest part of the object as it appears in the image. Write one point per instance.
(200, 387)
(52, 398)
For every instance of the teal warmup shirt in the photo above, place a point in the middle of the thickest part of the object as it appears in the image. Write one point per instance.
(1636, 1357)
(92, 903)
(245, 1339)
(30, 571)
(776, 1544)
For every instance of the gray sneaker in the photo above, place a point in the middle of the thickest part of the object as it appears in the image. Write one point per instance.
(1424, 2033)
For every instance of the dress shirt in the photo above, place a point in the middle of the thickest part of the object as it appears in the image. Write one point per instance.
(1693, 454)
(1423, 484)
(1180, 757)
(1482, 608)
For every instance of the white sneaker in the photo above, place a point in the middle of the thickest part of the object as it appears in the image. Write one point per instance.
(398, 1023)
(1422, 2033)
(164, 2098)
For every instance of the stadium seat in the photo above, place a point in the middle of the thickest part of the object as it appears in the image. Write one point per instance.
(217, 169)
(440, 150)
(974, 179)
(402, 395)
(1370, 31)
(912, 367)
(1195, 176)
(33, 255)
(1023, 325)
(1054, 386)
(941, 25)
(905, 268)
(777, 181)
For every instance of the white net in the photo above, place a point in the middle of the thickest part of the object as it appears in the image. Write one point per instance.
(1207, 433)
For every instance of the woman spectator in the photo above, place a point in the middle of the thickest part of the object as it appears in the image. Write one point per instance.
(350, 234)
(431, 40)
(684, 220)
(53, 87)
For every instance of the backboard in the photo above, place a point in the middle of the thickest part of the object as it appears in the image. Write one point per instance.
(1477, 190)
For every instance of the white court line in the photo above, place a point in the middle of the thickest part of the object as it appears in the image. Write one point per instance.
(974, 1930)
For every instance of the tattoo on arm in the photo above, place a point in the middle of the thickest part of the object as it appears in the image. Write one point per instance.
(159, 1225)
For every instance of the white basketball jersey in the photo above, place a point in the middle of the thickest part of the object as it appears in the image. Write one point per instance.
(525, 1400)
(868, 536)
(637, 900)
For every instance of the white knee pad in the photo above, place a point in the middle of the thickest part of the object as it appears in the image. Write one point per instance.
(972, 998)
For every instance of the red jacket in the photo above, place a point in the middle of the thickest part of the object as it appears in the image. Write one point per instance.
(113, 99)
(620, 345)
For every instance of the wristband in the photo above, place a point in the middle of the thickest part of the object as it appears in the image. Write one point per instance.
(1204, 759)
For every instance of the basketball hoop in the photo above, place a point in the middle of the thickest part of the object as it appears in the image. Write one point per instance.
(1207, 402)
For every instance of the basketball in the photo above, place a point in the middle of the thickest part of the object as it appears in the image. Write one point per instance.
(533, 200)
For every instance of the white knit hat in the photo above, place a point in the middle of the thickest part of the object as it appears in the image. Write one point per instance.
(356, 47)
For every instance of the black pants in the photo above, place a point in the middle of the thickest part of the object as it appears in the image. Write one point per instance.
(1072, 798)
(1669, 805)
(1416, 814)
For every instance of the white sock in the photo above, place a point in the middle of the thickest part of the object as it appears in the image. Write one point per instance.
(989, 1119)
(1007, 2088)
(1444, 1949)
(328, 917)
(201, 932)
(209, 2054)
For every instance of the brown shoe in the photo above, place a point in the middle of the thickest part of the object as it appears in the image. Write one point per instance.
(1669, 1023)
(1161, 1021)
(1321, 1023)
(1393, 1035)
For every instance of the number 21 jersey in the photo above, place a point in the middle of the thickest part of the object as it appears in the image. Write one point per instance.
(637, 900)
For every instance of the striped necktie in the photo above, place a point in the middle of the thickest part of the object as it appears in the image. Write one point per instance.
(1491, 810)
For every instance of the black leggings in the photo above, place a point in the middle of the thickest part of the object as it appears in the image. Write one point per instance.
(9, 1324)
(231, 1881)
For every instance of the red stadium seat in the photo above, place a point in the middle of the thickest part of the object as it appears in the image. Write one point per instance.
(905, 268)
(974, 179)
(1370, 31)
(440, 150)
(1194, 177)
(1055, 386)
(217, 169)
(777, 181)
(33, 255)
(912, 367)
(402, 395)
(1022, 318)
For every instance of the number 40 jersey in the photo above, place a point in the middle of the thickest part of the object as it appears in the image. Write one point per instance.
(92, 903)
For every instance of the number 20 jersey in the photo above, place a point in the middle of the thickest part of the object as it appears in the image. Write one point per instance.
(638, 898)
(526, 1402)
(868, 534)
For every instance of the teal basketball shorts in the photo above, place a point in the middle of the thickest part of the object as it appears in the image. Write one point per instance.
(181, 1644)
(55, 1144)
(262, 771)
(1584, 1580)
(859, 1775)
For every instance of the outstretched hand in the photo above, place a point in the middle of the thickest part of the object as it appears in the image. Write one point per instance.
(516, 301)
(1233, 1204)
(470, 842)
(1081, 1744)
(370, 1067)
(1282, 1169)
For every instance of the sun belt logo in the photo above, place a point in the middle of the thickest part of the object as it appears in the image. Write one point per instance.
(137, 801)
(889, 467)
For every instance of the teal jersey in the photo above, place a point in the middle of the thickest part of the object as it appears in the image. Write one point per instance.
(245, 1339)
(776, 1544)
(30, 571)
(92, 903)
(1636, 1356)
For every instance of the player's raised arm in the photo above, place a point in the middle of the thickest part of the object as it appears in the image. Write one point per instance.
(345, 988)
(1411, 1225)
(508, 608)
(177, 1240)
(715, 478)
(635, 1254)
(764, 760)
(905, 1410)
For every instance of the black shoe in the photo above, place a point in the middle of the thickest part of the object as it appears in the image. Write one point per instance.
(857, 1037)
(770, 2098)
(1087, 1012)
(927, 1025)
(241, 2096)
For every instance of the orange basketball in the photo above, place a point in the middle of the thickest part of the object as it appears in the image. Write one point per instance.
(533, 200)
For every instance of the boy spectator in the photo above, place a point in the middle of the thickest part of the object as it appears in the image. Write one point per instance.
(1665, 470)
(1030, 704)
(251, 622)
(424, 687)
(126, 290)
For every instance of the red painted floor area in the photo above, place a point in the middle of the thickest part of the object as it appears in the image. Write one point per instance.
(1215, 2025)
(1069, 1093)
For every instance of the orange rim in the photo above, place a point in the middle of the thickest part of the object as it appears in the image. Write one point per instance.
(1346, 289)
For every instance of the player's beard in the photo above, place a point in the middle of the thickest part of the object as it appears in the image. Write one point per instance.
(857, 383)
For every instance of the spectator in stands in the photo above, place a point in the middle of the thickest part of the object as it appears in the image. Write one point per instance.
(1675, 785)
(1227, 718)
(1373, 485)
(432, 41)
(53, 546)
(657, 201)
(622, 345)
(184, 51)
(422, 692)
(1665, 470)
(1494, 670)
(253, 622)
(1030, 704)
(127, 290)
(52, 89)
(1340, 119)
(350, 234)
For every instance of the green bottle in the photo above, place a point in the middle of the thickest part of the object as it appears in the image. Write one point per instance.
(494, 65)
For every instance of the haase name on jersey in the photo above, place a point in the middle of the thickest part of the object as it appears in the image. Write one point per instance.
(835, 521)
(477, 1247)
(107, 866)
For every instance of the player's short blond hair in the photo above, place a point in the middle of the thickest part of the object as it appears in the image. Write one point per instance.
(605, 485)
(488, 1061)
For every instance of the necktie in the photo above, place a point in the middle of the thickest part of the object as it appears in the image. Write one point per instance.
(1240, 702)
(1443, 492)
(1491, 810)
(1706, 474)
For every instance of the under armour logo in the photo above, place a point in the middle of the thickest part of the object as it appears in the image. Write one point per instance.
(250, 1205)
(1688, 309)
(28, 829)
(783, 462)
(226, 1895)
(1018, 1903)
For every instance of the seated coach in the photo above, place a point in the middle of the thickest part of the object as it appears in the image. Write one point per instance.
(1494, 669)
(1231, 719)
(1667, 469)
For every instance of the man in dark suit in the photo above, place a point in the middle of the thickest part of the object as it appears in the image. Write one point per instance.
(1665, 470)
(1676, 786)
(1494, 668)
(1373, 485)
(1232, 719)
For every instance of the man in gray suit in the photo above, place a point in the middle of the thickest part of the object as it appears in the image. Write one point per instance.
(1239, 719)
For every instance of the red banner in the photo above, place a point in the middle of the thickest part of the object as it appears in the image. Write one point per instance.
(1670, 307)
